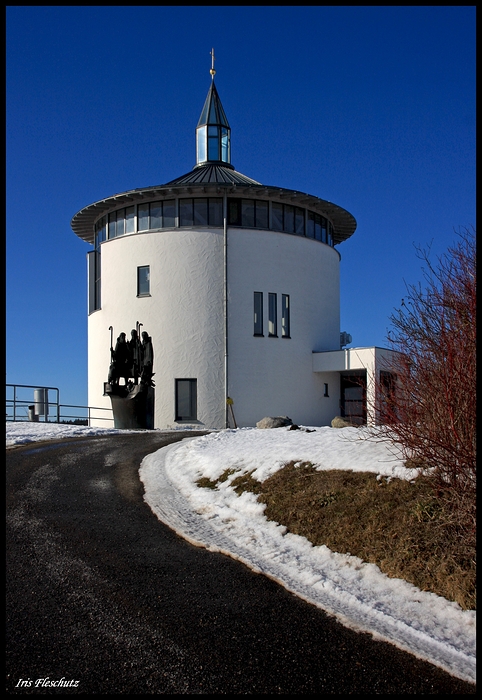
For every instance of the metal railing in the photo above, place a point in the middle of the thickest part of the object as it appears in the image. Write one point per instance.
(33, 403)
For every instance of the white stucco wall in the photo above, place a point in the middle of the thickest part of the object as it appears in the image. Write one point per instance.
(185, 318)
(184, 315)
(274, 376)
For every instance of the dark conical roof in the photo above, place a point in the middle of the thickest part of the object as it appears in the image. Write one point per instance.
(213, 112)
(209, 174)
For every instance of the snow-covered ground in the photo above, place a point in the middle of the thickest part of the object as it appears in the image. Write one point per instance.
(358, 594)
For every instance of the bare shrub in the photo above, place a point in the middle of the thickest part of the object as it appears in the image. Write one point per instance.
(430, 411)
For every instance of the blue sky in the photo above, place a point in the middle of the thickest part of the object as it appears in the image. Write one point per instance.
(372, 108)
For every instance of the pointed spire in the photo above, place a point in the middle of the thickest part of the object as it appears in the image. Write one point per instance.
(213, 133)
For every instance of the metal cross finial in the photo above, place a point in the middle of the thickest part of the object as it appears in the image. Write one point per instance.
(212, 71)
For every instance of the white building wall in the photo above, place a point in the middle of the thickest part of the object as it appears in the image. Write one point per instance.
(184, 316)
(274, 376)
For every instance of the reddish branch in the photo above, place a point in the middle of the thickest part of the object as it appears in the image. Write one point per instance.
(432, 413)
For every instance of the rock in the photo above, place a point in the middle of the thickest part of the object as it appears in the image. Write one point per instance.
(276, 422)
(339, 422)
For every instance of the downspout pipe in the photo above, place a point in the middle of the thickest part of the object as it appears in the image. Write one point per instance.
(225, 300)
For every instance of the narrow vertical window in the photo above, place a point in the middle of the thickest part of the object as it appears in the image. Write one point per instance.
(201, 144)
(213, 143)
(299, 221)
(326, 391)
(272, 314)
(225, 146)
(247, 213)
(318, 227)
(91, 262)
(143, 281)
(200, 217)
(285, 316)
(234, 212)
(169, 212)
(186, 212)
(310, 225)
(262, 214)
(276, 216)
(215, 211)
(330, 234)
(130, 220)
(112, 225)
(120, 225)
(156, 215)
(289, 219)
(186, 399)
(143, 217)
(323, 230)
(258, 313)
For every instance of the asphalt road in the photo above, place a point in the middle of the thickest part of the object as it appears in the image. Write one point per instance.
(102, 598)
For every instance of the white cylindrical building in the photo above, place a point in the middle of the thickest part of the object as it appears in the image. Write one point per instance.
(237, 284)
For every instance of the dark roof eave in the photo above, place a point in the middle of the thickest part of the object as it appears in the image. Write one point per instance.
(343, 222)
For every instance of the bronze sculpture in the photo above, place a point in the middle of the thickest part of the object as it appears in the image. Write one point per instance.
(132, 361)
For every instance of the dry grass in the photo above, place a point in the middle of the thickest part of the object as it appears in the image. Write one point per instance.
(398, 525)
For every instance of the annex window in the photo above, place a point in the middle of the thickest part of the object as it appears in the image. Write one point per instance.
(258, 313)
(387, 396)
(272, 316)
(143, 281)
(186, 399)
(285, 316)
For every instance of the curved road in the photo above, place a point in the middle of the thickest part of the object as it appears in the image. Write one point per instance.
(102, 598)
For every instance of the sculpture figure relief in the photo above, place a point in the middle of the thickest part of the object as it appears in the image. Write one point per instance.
(147, 359)
(131, 360)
